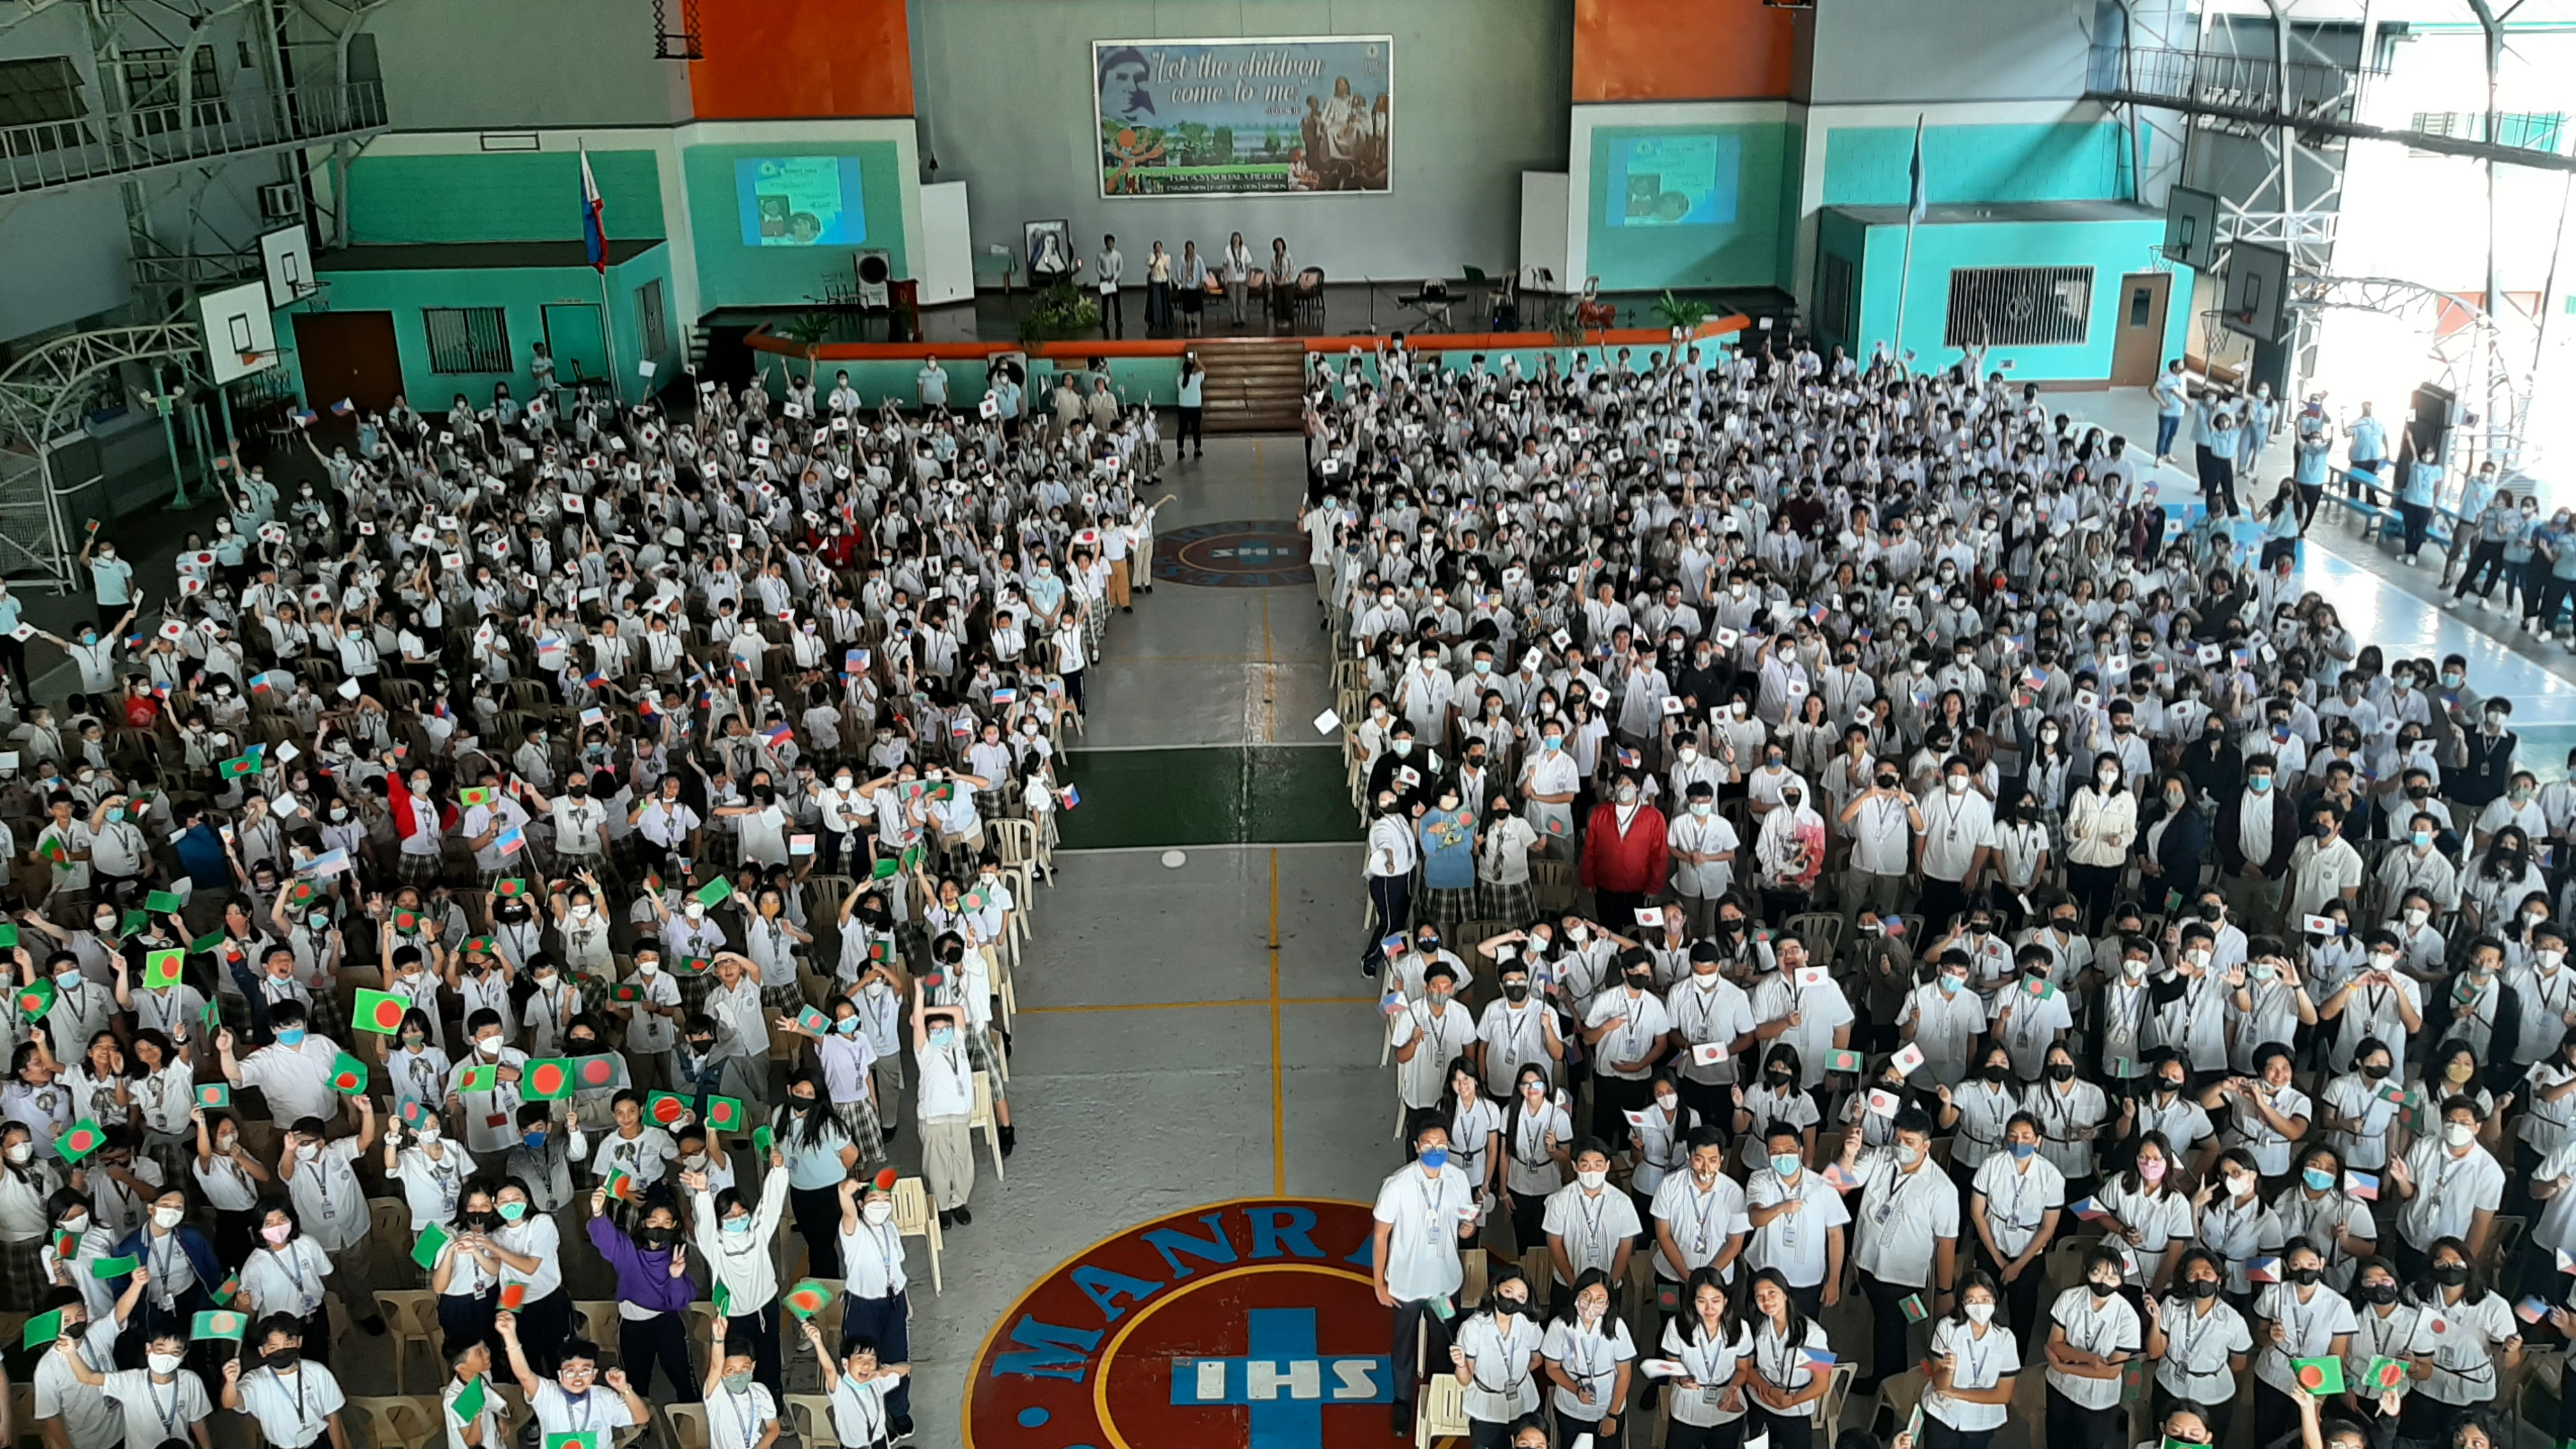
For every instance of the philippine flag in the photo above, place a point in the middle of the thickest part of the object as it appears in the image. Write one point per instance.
(594, 231)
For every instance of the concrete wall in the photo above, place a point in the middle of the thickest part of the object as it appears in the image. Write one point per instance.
(2111, 248)
(1905, 51)
(497, 65)
(502, 196)
(1481, 90)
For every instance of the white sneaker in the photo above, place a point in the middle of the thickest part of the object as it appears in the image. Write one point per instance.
(2453, 602)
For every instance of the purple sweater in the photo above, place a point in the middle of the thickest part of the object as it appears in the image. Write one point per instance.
(643, 1274)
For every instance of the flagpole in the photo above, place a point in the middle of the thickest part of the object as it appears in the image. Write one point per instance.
(608, 330)
(1916, 194)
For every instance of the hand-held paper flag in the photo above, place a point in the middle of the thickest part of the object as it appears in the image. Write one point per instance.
(380, 1012)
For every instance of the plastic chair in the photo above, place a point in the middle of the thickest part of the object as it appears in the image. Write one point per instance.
(1829, 1409)
(688, 1425)
(702, 1338)
(398, 1423)
(914, 1219)
(389, 1225)
(810, 1415)
(1440, 1410)
(1309, 296)
(982, 1116)
(598, 1320)
(411, 1315)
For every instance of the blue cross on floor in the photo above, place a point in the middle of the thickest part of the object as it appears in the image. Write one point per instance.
(1255, 552)
(1282, 1379)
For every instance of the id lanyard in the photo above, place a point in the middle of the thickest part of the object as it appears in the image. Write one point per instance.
(875, 1425)
(745, 1415)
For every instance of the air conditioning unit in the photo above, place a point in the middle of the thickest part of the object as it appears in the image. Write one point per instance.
(876, 270)
(281, 201)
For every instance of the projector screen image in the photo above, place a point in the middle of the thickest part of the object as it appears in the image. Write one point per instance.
(1677, 180)
(800, 201)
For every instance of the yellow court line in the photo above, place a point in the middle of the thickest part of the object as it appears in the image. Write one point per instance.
(1278, 1069)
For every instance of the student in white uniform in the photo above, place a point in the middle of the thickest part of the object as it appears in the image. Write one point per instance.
(295, 1401)
(740, 1408)
(2318, 1207)
(72, 1398)
(2199, 1342)
(1777, 1101)
(2093, 1332)
(1973, 1359)
(2070, 1113)
(1704, 1402)
(1784, 1382)
(1538, 1153)
(2015, 1202)
(1496, 1358)
(2447, 1186)
(162, 1400)
(860, 1388)
(1797, 1223)
(2474, 1341)
(573, 1401)
(1476, 1130)
(2264, 1113)
(2298, 1317)
(1590, 1225)
(1425, 1211)
(2388, 1323)
(1908, 1239)
(1591, 1360)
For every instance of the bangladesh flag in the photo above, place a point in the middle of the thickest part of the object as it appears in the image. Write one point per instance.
(379, 1011)
(215, 1096)
(2384, 1375)
(228, 1292)
(415, 1113)
(406, 923)
(724, 1114)
(132, 924)
(479, 1079)
(512, 886)
(513, 1295)
(80, 1140)
(468, 1405)
(1842, 1061)
(972, 900)
(300, 892)
(236, 767)
(205, 944)
(546, 1079)
(621, 1187)
(66, 1245)
(348, 1075)
(113, 1267)
(814, 1021)
(808, 1298)
(477, 795)
(762, 1139)
(478, 945)
(223, 1324)
(2319, 1376)
(35, 999)
(8, 937)
(724, 1300)
(881, 952)
(665, 1110)
(161, 968)
(43, 1329)
(625, 991)
(713, 891)
(602, 1072)
(51, 850)
(589, 1439)
(884, 869)
(696, 966)
(433, 1241)
(161, 903)
(911, 856)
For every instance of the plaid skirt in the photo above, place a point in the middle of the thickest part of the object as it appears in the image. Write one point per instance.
(1512, 904)
(859, 1120)
(1448, 907)
(22, 1277)
(413, 869)
(784, 997)
(981, 1047)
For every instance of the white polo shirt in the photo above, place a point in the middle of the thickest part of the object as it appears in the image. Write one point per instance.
(1423, 1212)
(1981, 1362)
(1710, 1363)
(1590, 1357)
(561, 1413)
(87, 1416)
(2309, 1328)
(2105, 1330)
(2465, 1337)
(2019, 1193)
(1955, 828)
(1593, 1225)
(2448, 1192)
(2403, 1330)
(2197, 1347)
(1794, 1242)
(157, 1413)
(296, 1079)
(1902, 1216)
(294, 1411)
(1502, 1365)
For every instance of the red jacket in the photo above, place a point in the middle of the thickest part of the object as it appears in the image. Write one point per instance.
(1638, 861)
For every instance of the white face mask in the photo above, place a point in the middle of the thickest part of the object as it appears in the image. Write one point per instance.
(163, 1364)
(167, 1218)
(489, 1046)
(1592, 1180)
(2458, 1134)
(878, 1211)
(1981, 1313)
(427, 1132)
(19, 1152)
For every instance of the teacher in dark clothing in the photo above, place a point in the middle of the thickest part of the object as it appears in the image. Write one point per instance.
(2176, 836)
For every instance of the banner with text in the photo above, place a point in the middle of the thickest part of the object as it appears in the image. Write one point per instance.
(1244, 117)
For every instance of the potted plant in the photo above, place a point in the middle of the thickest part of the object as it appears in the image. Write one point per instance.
(1680, 314)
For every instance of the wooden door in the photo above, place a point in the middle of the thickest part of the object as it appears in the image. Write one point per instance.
(2137, 349)
(348, 355)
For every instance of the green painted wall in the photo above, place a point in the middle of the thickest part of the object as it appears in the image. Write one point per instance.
(1754, 250)
(1869, 165)
(733, 275)
(2112, 248)
(523, 294)
(1838, 235)
(501, 196)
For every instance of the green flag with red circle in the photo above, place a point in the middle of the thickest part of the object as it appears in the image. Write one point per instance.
(80, 1139)
(724, 1114)
(600, 1072)
(380, 1012)
(35, 999)
(215, 1096)
(222, 1324)
(348, 1075)
(807, 1299)
(2318, 1376)
(546, 1079)
(161, 968)
(666, 1110)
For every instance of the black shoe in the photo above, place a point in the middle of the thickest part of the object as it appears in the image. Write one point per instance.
(901, 1428)
(947, 1219)
(1368, 966)
(1400, 1419)
(886, 1134)
(963, 1217)
(1010, 1140)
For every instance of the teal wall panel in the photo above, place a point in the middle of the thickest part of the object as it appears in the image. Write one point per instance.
(523, 293)
(1868, 165)
(2111, 248)
(733, 275)
(1753, 250)
(502, 196)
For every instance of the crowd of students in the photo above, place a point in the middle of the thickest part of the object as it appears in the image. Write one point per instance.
(563, 834)
(1844, 848)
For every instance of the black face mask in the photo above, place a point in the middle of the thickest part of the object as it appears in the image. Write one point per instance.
(1515, 991)
(657, 1238)
(2168, 1084)
(2302, 1276)
(1994, 1071)
(2450, 1274)
(2201, 1288)
(1777, 1076)
(2374, 1070)
(282, 1359)
(2061, 1071)
(2378, 1294)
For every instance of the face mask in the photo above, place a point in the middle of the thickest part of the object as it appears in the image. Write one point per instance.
(2319, 1181)
(162, 1364)
(489, 1046)
(738, 1225)
(1980, 1313)
(1592, 1181)
(2303, 1277)
(167, 1218)
(277, 1234)
(290, 1036)
(2378, 1295)
(1994, 1071)
(2202, 1288)
(2151, 1169)
(427, 1132)
(1908, 1154)
(2450, 1274)
(308, 1151)
(2458, 1134)
(736, 1383)
(1952, 985)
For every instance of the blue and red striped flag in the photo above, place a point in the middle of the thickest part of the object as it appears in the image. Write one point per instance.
(594, 229)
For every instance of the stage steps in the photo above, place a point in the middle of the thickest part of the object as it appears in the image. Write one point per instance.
(1254, 385)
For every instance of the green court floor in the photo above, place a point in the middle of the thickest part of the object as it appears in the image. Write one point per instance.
(1221, 795)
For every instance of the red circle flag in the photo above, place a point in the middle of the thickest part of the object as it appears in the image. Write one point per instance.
(597, 1072)
(346, 1082)
(547, 1080)
(668, 1110)
(2311, 1377)
(387, 1016)
(78, 1141)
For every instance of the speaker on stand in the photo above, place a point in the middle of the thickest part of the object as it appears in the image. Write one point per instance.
(2430, 425)
(876, 272)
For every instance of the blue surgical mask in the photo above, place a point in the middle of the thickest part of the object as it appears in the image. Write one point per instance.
(2021, 1149)
(847, 1026)
(738, 1225)
(291, 1036)
(942, 1037)
(534, 1140)
(1785, 1163)
(1435, 1158)
(2321, 1181)
(1950, 985)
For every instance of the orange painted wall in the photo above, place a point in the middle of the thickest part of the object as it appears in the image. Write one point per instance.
(1681, 50)
(773, 59)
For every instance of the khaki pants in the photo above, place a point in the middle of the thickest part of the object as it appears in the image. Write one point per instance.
(1118, 584)
(947, 1161)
